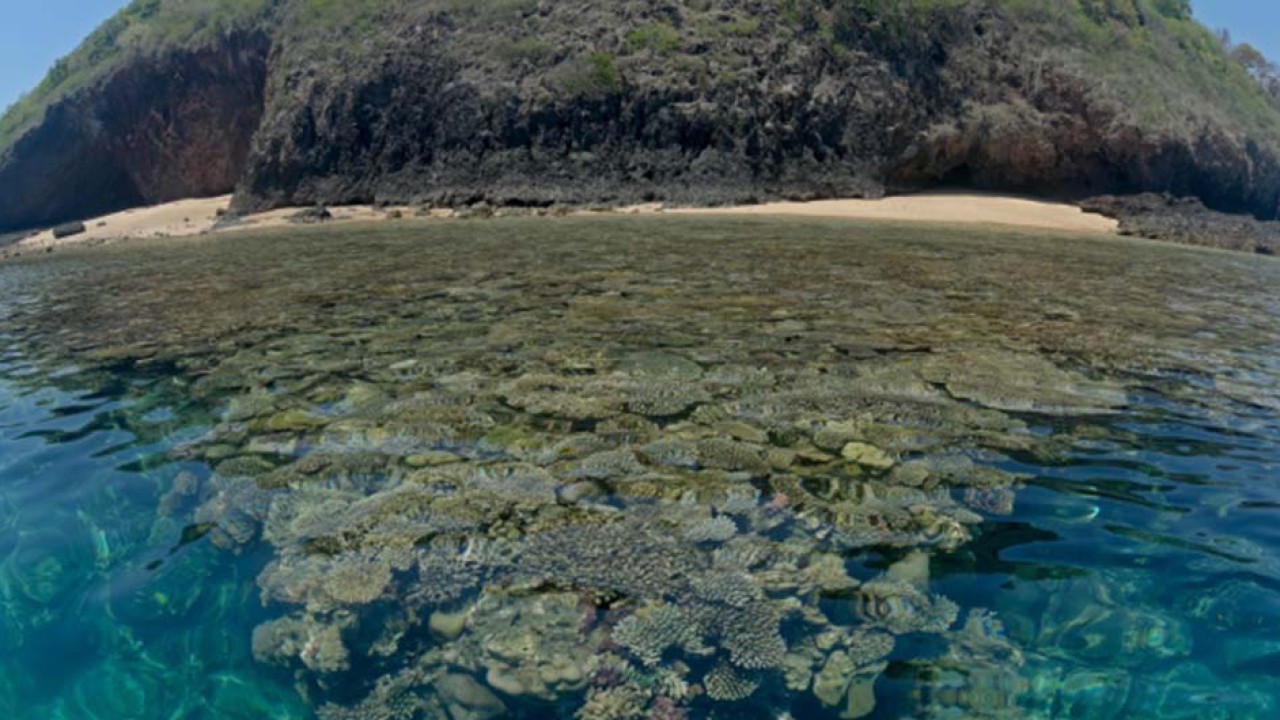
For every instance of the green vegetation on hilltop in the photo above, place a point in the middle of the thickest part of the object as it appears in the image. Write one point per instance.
(143, 28)
(1150, 56)
(1159, 64)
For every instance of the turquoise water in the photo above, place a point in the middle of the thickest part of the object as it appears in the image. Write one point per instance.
(107, 613)
(561, 470)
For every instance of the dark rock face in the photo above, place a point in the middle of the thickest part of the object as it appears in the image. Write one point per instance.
(437, 120)
(417, 131)
(1066, 154)
(1186, 220)
(173, 127)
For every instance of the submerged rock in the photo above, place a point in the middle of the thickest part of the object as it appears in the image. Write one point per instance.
(467, 699)
(867, 456)
(1020, 382)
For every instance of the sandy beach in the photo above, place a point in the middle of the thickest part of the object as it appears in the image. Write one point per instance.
(183, 218)
(947, 208)
(200, 216)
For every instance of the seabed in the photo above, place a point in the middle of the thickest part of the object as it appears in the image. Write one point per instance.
(640, 469)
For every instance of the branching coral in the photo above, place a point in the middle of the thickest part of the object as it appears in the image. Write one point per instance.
(993, 501)
(588, 556)
(444, 575)
(358, 579)
(663, 399)
(611, 465)
(665, 708)
(900, 517)
(561, 396)
(751, 634)
(711, 530)
(826, 573)
(524, 483)
(726, 683)
(740, 501)
(323, 583)
(725, 454)
(671, 453)
(742, 554)
(619, 703)
(729, 587)
(657, 628)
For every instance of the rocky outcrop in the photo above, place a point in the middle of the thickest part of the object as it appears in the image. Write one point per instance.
(165, 128)
(67, 230)
(1186, 220)
(780, 115)
(1085, 150)
(537, 103)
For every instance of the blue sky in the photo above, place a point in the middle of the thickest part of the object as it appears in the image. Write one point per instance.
(1256, 22)
(34, 34)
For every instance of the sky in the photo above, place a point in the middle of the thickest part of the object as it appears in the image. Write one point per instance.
(35, 34)
(1256, 22)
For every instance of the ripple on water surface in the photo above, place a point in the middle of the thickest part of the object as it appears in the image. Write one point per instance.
(644, 469)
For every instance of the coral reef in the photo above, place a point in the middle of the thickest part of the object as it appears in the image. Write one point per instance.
(901, 608)
(620, 703)
(717, 529)
(663, 399)
(655, 629)
(316, 645)
(503, 477)
(726, 683)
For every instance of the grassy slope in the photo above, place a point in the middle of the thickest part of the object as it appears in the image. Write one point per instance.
(1150, 57)
(1166, 70)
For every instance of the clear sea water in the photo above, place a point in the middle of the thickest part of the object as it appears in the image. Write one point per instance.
(1107, 546)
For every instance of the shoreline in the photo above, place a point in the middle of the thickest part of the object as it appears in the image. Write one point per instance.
(206, 216)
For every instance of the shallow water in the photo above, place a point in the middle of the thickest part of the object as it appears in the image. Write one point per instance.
(640, 468)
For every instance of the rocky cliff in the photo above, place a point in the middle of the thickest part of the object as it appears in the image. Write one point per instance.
(533, 102)
(177, 126)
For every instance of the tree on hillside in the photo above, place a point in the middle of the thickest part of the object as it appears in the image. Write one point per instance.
(1263, 70)
(1258, 66)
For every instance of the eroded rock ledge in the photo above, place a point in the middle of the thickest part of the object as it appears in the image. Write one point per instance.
(1186, 220)
(160, 129)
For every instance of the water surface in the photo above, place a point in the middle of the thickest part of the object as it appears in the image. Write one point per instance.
(640, 468)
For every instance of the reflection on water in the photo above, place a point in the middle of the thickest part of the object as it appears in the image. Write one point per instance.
(652, 469)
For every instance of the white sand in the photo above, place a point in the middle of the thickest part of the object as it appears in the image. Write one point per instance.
(183, 218)
(175, 219)
(948, 208)
(193, 217)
